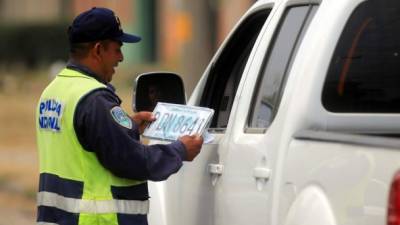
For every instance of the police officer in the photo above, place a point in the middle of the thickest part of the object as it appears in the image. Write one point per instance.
(93, 169)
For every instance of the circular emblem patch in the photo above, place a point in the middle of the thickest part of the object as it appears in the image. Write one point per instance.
(119, 115)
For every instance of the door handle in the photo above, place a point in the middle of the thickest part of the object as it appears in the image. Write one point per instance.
(215, 170)
(262, 175)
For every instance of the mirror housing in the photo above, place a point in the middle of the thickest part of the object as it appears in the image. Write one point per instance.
(154, 87)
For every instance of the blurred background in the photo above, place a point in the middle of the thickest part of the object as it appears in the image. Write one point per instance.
(178, 35)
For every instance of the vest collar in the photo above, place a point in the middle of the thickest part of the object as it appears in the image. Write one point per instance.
(87, 72)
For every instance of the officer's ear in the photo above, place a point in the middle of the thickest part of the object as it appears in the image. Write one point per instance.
(96, 51)
(97, 47)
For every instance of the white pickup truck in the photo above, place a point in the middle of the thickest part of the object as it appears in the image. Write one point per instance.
(306, 129)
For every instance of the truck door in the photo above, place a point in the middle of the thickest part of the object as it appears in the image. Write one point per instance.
(220, 89)
(189, 196)
(248, 152)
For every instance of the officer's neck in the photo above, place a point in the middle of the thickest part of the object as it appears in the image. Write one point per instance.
(92, 66)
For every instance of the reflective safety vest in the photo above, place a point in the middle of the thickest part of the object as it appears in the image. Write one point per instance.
(74, 188)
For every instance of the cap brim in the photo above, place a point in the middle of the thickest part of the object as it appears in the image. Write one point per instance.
(128, 38)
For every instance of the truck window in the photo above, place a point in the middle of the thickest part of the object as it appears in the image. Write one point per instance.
(227, 70)
(364, 74)
(276, 64)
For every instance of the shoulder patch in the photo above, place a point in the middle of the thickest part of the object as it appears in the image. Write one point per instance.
(119, 115)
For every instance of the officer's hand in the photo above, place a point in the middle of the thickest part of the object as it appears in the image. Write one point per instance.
(142, 119)
(192, 144)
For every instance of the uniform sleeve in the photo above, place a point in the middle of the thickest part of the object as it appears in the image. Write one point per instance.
(102, 128)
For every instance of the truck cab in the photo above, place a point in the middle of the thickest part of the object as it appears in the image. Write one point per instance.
(306, 100)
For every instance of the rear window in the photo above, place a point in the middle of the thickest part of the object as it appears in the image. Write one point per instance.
(364, 74)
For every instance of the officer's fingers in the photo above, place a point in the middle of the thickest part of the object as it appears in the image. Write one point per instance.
(147, 116)
(143, 116)
(192, 144)
(184, 139)
(197, 139)
(192, 138)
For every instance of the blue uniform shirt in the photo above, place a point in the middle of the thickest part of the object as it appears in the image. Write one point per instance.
(117, 145)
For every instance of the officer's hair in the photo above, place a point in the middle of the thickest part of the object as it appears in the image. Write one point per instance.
(81, 50)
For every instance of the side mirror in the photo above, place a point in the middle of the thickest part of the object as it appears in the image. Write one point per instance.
(157, 87)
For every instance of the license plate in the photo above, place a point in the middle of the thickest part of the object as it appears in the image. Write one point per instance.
(173, 121)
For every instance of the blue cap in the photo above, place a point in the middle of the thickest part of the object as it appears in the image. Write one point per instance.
(98, 24)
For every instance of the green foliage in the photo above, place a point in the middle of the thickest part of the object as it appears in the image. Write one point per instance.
(33, 44)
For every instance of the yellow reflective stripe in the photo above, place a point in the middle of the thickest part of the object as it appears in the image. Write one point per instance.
(74, 205)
